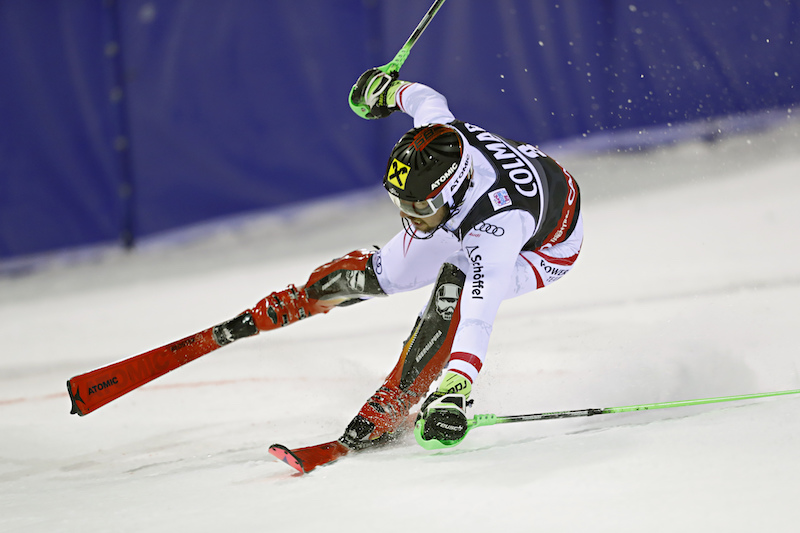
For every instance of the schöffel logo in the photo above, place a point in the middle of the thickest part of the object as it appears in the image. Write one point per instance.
(477, 272)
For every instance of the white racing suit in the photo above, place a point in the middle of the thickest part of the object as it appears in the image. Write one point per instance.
(509, 236)
(517, 229)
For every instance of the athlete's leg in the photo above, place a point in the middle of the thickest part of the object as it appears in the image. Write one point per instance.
(540, 268)
(421, 361)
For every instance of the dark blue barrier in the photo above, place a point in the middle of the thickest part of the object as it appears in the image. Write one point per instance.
(59, 173)
(124, 119)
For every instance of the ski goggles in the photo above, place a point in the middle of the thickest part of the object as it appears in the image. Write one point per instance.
(423, 208)
(427, 207)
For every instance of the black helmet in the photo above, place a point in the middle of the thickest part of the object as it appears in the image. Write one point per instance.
(429, 167)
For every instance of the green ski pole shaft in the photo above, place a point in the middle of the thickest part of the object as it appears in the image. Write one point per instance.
(391, 68)
(490, 419)
(400, 58)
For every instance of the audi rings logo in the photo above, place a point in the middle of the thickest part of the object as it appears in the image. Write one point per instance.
(491, 229)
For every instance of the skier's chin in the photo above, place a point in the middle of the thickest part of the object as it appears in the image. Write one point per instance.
(421, 227)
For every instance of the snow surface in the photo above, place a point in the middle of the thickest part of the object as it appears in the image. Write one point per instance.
(688, 287)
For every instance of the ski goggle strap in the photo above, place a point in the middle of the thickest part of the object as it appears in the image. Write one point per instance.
(423, 208)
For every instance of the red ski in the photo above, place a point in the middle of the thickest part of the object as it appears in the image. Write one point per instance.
(98, 387)
(304, 460)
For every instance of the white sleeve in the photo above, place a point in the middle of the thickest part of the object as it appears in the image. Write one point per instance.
(424, 104)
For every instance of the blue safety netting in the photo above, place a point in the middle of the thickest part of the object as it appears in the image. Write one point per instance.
(122, 119)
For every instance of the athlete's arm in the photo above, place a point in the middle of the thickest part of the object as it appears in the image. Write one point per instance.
(424, 104)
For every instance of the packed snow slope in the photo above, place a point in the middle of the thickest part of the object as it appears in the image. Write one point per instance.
(688, 286)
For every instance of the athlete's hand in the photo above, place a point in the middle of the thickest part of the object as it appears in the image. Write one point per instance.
(375, 90)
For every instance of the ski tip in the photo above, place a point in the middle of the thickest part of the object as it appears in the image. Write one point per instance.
(287, 456)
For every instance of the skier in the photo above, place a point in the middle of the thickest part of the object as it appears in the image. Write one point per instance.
(484, 219)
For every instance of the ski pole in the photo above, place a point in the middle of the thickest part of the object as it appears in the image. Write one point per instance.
(394, 65)
(400, 58)
(491, 419)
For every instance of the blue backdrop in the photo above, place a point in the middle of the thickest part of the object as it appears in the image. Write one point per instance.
(121, 119)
